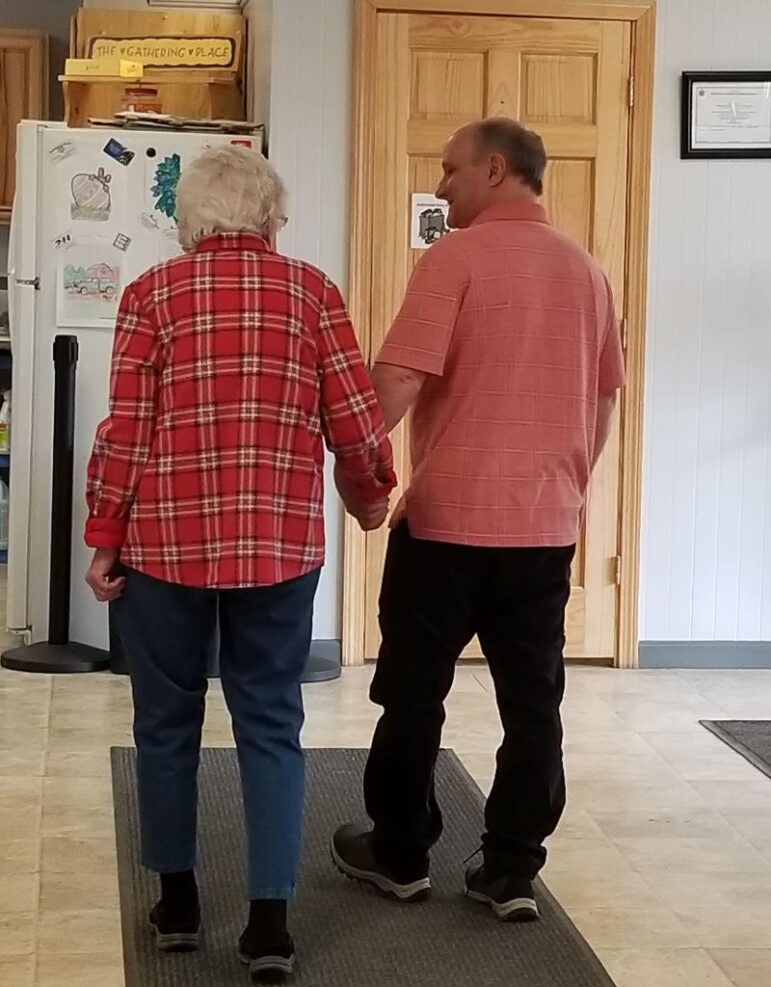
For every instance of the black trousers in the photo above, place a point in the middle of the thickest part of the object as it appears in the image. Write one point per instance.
(435, 598)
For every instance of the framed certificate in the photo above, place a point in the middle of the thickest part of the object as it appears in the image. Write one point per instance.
(726, 115)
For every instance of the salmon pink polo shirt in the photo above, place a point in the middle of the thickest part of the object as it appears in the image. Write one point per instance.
(514, 324)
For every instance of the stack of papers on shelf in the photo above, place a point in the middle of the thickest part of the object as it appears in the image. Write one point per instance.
(132, 120)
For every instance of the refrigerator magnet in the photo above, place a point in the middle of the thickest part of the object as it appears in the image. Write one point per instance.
(149, 221)
(62, 151)
(122, 242)
(118, 152)
(63, 241)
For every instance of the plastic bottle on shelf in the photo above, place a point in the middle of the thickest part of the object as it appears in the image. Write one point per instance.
(5, 423)
(4, 507)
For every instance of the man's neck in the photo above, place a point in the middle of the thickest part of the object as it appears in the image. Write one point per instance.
(514, 196)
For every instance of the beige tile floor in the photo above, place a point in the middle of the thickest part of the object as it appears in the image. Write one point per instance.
(663, 859)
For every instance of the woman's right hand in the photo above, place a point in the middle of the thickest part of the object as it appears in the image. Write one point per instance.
(104, 585)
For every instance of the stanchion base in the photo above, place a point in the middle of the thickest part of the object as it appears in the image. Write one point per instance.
(321, 669)
(56, 658)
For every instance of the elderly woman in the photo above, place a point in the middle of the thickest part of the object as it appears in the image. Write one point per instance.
(231, 363)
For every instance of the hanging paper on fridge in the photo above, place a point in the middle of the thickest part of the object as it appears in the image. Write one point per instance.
(91, 192)
(89, 285)
(162, 179)
(90, 196)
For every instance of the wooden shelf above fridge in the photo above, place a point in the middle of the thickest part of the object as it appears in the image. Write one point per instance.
(192, 61)
(190, 93)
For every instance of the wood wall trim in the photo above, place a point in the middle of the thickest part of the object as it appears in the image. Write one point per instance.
(362, 232)
(617, 10)
(643, 18)
(643, 61)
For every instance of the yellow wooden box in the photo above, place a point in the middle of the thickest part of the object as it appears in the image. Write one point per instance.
(86, 67)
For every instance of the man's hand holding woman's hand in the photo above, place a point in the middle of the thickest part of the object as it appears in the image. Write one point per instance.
(371, 514)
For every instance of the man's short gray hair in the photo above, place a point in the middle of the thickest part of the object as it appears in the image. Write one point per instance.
(228, 190)
(523, 149)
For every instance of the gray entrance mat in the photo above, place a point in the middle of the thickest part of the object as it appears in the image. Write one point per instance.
(750, 738)
(347, 935)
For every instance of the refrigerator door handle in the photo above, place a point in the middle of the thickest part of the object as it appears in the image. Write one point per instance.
(22, 299)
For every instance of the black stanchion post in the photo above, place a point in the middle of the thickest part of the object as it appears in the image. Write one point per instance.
(65, 368)
(59, 654)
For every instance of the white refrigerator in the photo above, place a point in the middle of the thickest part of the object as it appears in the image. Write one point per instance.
(93, 209)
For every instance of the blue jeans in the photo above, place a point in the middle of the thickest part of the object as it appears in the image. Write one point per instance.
(168, 632)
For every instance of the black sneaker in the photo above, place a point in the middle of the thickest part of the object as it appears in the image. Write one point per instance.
(354, 856)
(176, 933)
(510, 897)
(268, 962)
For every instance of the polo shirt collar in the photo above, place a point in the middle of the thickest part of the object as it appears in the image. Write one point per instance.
(532, 212)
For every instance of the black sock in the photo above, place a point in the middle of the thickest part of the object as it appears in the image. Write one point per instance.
(179, 890)
(267, 919)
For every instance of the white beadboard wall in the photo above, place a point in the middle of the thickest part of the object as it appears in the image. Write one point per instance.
(706, 541)
(310, 145)
(259, 16)
(707, 473)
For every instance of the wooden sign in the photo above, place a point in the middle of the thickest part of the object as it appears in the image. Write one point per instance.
(170, 52)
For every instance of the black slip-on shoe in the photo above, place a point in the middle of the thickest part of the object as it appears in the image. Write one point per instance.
(175, 933)
(354, 856)
(510, 897)
(268, 962)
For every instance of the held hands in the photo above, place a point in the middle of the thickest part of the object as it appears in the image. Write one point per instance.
(104, 585)
(370, 514)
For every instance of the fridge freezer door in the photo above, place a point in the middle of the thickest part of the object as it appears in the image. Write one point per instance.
(22, 255)
(22, 304)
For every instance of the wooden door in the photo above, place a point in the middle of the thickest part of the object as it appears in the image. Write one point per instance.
(570, 81)
(23, 96)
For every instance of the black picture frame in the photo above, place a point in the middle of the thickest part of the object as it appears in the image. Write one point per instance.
(689, 81)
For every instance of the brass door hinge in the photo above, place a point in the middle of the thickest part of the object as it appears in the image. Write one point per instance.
(617, 570)
(624, 333)
(631, 90)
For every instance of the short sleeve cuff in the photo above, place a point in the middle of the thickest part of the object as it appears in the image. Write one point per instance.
(410, 359)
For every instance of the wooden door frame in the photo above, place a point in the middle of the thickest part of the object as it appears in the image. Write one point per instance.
(642, 17)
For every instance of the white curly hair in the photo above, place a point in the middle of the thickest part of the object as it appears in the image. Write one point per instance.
(229, 189)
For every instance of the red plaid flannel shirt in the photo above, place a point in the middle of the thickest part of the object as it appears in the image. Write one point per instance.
(230, 366)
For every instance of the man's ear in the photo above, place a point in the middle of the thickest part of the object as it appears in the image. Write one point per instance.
(498, 169)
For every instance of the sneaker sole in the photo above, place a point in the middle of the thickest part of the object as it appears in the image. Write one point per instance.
(176, 942)
(516, 910)
(269, 969)
(417, 891)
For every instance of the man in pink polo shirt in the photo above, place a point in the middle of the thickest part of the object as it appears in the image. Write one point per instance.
(507, 349)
